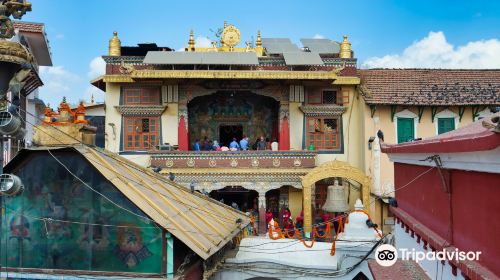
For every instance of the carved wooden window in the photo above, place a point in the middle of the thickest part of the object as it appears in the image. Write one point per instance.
(146, 95)
(329, 97)
(141, 133)
(323, 133)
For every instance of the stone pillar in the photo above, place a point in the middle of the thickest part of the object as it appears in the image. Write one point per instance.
(262, 212)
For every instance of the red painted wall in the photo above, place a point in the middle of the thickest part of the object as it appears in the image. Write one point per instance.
(425, 198)
(475, 201)
(476, 226)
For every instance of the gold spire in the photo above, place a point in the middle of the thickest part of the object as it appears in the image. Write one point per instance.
(114, 45)
(258, 43)
(225, 23)
(345, 48)
(259, 50)
(191, 41)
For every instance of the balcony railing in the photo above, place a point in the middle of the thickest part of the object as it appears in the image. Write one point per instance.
(237, 159)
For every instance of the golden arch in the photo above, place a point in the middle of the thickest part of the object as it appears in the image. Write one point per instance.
(327, 170)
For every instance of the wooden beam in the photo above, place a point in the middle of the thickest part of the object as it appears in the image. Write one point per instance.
(163, 251)
(433, 112)
(393, 111)
(373, 109)
(420, 112)
(461, 111)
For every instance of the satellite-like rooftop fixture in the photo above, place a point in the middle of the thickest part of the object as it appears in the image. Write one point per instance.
(11, 125)
(10, 185)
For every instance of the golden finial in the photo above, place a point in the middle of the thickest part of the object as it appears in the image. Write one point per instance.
(258, 43)
(259, 50)
(115, 45)
(345, 48)
(191, 41)
(225, 23)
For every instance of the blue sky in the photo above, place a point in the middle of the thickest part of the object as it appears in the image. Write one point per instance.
(444, 34)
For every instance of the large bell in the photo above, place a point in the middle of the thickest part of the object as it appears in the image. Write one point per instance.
(335, 199)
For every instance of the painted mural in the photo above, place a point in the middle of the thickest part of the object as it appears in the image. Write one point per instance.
(98, 237)
(232, 114)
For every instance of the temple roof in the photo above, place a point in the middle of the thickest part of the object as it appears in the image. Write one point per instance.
(201, 223)
(36, 38)
(431, 86)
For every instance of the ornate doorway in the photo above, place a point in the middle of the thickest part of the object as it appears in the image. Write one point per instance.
(327, 170)
(228, 132)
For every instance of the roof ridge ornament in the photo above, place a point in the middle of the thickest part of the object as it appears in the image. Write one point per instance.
(114, 45)
(345, 48)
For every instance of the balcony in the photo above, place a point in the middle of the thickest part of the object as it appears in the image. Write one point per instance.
(238, 159)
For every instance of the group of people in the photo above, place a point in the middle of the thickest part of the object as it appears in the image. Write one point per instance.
(243, 145)
(290, 226)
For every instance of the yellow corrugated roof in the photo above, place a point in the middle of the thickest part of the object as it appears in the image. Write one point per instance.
(201, 223)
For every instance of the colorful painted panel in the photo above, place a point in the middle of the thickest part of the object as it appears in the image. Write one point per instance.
(227, 114)
(34, 237)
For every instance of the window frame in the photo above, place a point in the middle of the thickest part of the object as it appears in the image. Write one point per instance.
(446, 114)
(320, 137)
(137, 137)
(405, 114)
(142, 96)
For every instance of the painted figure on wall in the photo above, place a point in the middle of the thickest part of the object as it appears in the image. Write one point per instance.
(130, 248)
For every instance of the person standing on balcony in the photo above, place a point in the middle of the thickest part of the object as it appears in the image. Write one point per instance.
(244, 143)
(274, 145)
(261, 145)
(234, 146)
(268, 144)
(196, 146)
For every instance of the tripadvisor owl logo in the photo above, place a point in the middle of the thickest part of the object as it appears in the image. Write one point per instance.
(386, 255)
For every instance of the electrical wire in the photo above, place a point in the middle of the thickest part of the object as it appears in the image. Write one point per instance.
(142, 171)
(138, 183)
(143, 217)
(51, 220)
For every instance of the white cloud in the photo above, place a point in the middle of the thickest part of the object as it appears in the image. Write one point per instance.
(97, 67)
(57, 79)
(434, 51)
(318, 36)
(202, 42)
(60, 36)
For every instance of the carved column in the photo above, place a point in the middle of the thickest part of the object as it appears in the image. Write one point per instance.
(262, 211)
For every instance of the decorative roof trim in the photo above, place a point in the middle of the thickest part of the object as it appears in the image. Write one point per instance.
(141, 110)
(322, 110)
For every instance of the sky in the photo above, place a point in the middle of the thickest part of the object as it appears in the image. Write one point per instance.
(389, 34)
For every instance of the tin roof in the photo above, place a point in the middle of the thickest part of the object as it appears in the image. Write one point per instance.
(201, 223)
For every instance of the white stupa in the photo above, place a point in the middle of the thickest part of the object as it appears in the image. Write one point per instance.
(356, 229)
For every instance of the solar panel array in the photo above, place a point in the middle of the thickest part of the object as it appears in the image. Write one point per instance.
(321, 46)
(212, 58)
(302, 58)
(279, 45)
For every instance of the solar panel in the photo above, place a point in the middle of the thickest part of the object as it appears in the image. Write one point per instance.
(279, 45)
(322, 46)
(302, 58)
(212, 58)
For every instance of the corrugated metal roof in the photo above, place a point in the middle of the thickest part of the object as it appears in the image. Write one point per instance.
(322, 46)
(279, 45)
(212, 58)
(201, 223)
(304, 58)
